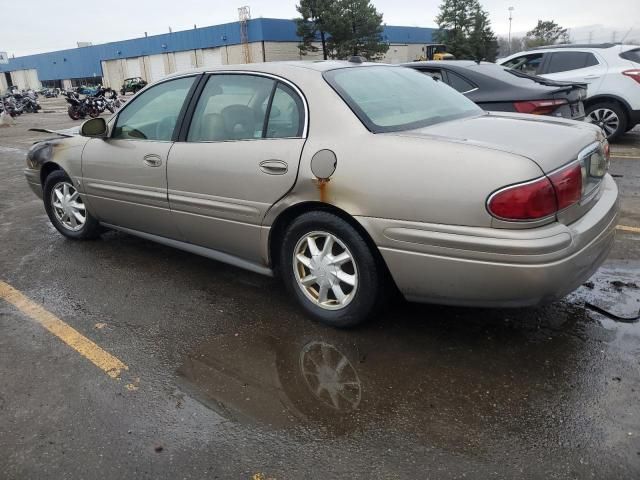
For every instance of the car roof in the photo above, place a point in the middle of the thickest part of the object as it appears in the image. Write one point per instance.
(445, 63)
(578, 45)
(278, 68)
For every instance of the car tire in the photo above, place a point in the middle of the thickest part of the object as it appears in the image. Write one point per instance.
(610, 116)
(339, 281)
(66, 209)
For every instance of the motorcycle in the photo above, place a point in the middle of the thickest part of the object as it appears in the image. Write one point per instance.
(10, 106)
(27, 100)
(78, 108)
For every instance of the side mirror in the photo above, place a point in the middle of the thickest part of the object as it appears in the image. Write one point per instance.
(96, 128)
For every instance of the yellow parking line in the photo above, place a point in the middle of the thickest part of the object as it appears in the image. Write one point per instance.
(81, 344)
(626, 228)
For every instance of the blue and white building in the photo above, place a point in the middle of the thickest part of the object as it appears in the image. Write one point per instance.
(152, 57)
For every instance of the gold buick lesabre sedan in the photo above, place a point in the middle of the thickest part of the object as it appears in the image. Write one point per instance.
(346, 179)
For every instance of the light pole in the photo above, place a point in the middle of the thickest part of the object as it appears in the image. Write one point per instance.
(510, 18)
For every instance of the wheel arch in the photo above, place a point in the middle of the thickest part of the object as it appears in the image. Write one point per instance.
(287, 216)
(46, 170)
(609, 98)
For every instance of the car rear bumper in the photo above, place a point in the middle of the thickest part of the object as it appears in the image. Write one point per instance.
(489, 267)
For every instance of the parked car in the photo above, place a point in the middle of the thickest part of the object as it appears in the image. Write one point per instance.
(132, 85)
(612, 72)
(345, 179)
(497, 88)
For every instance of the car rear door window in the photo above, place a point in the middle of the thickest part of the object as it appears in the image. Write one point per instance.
(231, 107)
(433, 73)
(154, 113)
(459, 83)
(286, 114)
(566, 61)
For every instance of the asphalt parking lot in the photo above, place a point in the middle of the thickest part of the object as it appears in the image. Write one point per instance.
(121, 358)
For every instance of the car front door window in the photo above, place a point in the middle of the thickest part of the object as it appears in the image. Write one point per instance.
(153, 115)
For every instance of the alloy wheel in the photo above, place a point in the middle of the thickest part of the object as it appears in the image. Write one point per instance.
(606, 119)
(68, 206)
(325, 270)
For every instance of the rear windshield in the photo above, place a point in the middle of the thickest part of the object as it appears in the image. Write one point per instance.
(391, 99)
(633, 55)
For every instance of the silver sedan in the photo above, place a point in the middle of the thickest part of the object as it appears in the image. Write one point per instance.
(346, 179)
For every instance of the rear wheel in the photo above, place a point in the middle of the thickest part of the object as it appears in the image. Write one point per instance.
(328, 266)
(66, 209)
(609, 116)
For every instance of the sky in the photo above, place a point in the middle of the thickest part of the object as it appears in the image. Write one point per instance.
(54, 26)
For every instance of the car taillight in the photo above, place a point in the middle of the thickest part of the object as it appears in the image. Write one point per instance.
(539, 107)
(539, 198)
(567, 183)
(635, 74)
(526, 201)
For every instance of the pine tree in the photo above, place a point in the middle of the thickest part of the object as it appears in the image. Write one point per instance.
(546, 32)
(311, 24)
(344, 28)
(465, 29)
(356, 29)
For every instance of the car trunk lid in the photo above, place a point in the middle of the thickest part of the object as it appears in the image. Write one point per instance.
(549, 142)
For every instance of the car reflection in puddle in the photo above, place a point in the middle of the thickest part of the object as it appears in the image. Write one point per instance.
(457, 378)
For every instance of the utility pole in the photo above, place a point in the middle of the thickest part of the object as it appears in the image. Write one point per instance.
(510, 18)
(590, 37)
(613, 36)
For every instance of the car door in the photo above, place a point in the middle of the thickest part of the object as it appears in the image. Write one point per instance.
(124, 175)
(575, 66)
(239, 156)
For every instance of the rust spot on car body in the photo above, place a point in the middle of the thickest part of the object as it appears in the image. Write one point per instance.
(322, 184)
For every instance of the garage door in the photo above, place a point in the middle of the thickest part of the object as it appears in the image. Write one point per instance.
(212, 57)
(156, 67)
(133, 67)
(19, 79)
(183, 60)
(32, 78)
(112, 74)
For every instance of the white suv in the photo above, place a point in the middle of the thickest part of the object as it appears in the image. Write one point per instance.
(611, 71)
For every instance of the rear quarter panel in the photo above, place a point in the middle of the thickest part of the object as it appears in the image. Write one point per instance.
(403, 178)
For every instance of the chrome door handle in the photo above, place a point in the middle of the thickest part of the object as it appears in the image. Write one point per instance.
(274, 167)
(591, 77)
(152, 160)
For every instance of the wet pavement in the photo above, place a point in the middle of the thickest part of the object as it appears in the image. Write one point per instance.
(227, 379)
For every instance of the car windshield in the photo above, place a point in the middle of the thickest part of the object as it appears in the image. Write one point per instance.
(391, 99)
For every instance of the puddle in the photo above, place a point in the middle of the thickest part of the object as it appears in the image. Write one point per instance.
(462, 379)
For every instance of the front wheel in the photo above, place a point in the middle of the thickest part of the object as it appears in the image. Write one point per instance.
(66, 209)
(74, 113)
(610, 117)
(330, 269)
